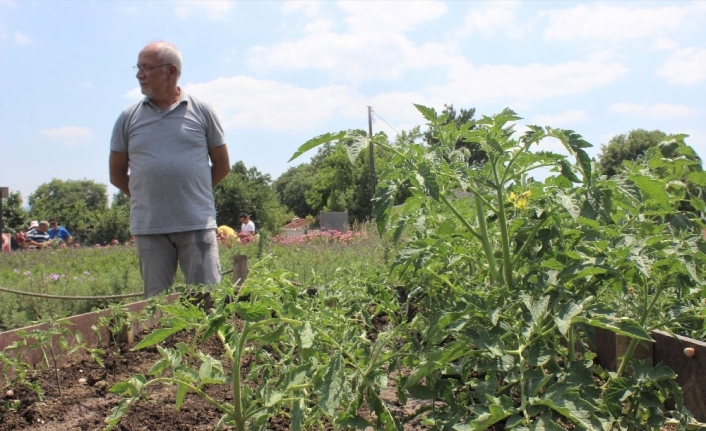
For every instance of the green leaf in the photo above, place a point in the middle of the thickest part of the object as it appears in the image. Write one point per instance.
(306, 335)
(272, 397)
(538, 354)
(159, 367)
(214, 325)
(333, 387)
(319, 140)
(206, 369)
(655, 189)
(429, 114)
(355, 422)
(697, 178)
(623, 326)
(157, 336)
(566, 401)
(486, 415)
(545, 423)
(297, 416)
(355, 143)
(538, 309)
(252, 312)
(117, 414)
(182, 389)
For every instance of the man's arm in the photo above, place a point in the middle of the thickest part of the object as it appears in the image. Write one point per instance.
(119, 171)
(220, 163)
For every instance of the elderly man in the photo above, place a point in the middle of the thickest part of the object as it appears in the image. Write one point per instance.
(159, 156)
(38, 237)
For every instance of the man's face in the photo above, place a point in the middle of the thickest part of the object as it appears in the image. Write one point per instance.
(43, 228)
(54, 225)
(153, 83)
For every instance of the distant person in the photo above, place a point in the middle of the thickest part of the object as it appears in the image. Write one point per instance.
(21, 237)
(225, 232)
(247, 228)
(38, 237)
(56, 231)
(167, 152)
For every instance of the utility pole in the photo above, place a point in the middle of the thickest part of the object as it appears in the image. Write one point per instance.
(371, 157)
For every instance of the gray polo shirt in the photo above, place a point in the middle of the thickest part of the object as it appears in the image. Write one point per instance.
(170, 173)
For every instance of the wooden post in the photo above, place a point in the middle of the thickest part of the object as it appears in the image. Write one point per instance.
(240, 269)
(4, 193)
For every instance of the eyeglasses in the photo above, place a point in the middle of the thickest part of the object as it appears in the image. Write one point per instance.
(146, 69)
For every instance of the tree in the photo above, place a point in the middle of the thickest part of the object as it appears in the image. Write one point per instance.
(292, 186)
(13, 215)
(248, 190)
(76, 204)
(338, 184)
(113, 223)
(632, 146)
(476, 156)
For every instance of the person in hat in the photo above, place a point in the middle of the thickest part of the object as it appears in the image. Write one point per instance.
(21, 237)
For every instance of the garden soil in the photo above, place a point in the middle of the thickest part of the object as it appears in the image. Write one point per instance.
(84, 401)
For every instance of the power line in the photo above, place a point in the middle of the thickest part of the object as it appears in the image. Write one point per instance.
(383, 120)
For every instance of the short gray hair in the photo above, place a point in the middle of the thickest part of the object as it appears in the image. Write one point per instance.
(168, 53)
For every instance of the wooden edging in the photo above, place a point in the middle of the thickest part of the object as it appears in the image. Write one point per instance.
(685, 356)
(81, 323)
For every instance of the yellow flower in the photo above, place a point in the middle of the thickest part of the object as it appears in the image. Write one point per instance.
(519, 201)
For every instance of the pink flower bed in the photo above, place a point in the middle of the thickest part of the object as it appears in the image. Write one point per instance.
(327, 236)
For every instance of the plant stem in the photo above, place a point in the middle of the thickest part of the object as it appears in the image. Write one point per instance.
(502, 224)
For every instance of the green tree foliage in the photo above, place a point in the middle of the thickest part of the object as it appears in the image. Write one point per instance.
(678, 166)
(113, 223)
(632, 146)
(76, 204)
(449, 118)
(250, 191)
(338, 184)
(13, 215)
(292, 187)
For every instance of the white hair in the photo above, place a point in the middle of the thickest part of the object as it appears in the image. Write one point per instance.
(168, 53)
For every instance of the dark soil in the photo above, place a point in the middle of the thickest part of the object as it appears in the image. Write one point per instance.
(83, 405)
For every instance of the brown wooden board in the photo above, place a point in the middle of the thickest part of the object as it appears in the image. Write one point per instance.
(669, 350)
(81, 323)
(691, 371)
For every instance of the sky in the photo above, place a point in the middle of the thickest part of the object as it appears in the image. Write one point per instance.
(281, 73)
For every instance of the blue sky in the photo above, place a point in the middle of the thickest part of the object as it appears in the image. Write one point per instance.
(280, 73)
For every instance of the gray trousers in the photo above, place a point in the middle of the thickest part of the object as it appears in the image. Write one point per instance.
(195, 252)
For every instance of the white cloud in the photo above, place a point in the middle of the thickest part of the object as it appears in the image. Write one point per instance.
(308, 8)
(215, 9)
(685, 66)
(68, 135)
(663, 44)
(248, 103)
(319, 26)
(531, 82)
(390, 16)
(351, 56)
(608, 22)
(570, 116)
(21, 38)
(489, 19)
(373, 45)
(659, 110)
